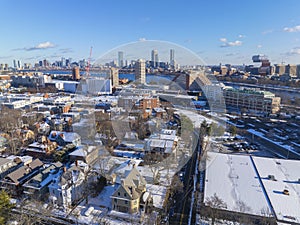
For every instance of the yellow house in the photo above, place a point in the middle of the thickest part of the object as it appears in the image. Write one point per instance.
(127, 196)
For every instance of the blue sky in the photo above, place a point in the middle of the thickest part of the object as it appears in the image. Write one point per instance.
(217, 30)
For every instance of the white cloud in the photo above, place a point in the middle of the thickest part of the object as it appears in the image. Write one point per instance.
(223, 39)
(296, 51)
(259, 46)
(232, 44)
(241, 36)
(40, 46)
(292, 29)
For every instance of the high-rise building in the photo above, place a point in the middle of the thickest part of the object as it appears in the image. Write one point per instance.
(140, 71)
(121, 59)
(154, 58)
(75, 73)
(114, 76)
(172, 57)
(63, 62)
(15, 64)
(19, 64)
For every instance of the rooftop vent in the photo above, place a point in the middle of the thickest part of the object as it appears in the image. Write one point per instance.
(272, 177)
(286, 192)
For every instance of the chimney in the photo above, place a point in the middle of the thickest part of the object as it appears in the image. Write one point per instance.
(76, 162)
(65, 169)
(62, 135)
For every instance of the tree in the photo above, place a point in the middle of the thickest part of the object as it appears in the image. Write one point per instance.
(5, 207)
(176, 185)
(233, 130)
(10, 122)
(214, 203)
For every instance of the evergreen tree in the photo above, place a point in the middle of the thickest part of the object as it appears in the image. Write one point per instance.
(5, 207)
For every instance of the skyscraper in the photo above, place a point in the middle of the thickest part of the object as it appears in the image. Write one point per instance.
(19, 64)
(172, 57)
(140, 71)
(120, 59)
(15, 64)
(154, 58)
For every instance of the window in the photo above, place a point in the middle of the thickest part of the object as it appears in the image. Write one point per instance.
(126, 202)
(118, 193)
(115, 200)
(125, 194)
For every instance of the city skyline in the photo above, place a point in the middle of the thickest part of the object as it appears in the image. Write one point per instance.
(217, 31)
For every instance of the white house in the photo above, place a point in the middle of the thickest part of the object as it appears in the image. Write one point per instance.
(67, 189)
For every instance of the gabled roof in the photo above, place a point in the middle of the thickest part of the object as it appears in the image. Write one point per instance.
(17, 175)
(133, 185)
(44, 177)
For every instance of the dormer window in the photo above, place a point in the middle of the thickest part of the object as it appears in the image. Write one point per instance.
(119, 194)
(125, 194)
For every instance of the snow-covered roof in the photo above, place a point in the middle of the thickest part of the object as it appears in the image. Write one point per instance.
(233, 179)
(286, 177)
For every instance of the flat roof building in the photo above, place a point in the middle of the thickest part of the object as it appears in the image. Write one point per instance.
(254, 101)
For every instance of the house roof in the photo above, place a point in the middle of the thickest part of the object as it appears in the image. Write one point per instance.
(44, 177)
(4, 161)
(66, 136)
(17, 175)
(133, 185)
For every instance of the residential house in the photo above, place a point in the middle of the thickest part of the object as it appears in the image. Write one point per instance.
(163, 143)
(9, 165)
(43, 149)
(13, 182)
(88, 154)
(37, 187)
(68, 189)
(128, 195)
(64, 138)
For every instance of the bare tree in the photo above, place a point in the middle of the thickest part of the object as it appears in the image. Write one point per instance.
(214, 203)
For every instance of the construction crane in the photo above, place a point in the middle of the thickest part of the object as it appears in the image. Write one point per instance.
(87, 69)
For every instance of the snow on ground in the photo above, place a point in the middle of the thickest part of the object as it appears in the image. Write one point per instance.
(233, 179)
(158, 194)
(287, 175)
(103, 199)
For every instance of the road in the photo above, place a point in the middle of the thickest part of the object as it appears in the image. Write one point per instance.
(180, 210)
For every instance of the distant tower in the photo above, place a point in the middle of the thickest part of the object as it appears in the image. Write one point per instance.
(140, 71)
(19, 64)
(15, 64)
(114, 76)
(154, 58)
(120, 59)
(172, 57)
(75, 73)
